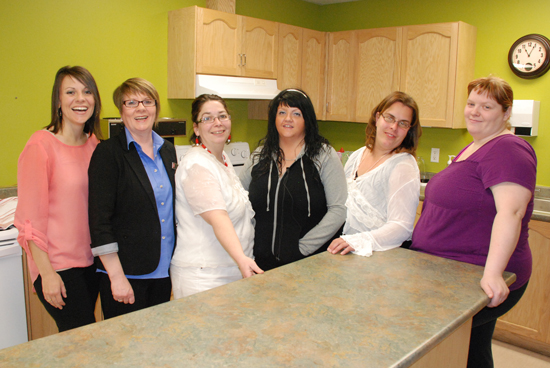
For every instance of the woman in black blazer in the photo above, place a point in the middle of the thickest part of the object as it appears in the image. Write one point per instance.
(131, 205)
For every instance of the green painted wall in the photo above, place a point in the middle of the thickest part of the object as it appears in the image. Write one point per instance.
(120, 39)
(499, 23)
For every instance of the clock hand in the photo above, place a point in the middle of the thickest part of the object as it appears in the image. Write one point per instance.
(529, 53)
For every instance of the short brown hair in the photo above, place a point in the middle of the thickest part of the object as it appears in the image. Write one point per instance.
(196, 107)
(82, 75)
(497, 89)
(410, 142)
(136, 85)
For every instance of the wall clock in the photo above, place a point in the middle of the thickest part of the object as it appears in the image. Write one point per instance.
(529, 56)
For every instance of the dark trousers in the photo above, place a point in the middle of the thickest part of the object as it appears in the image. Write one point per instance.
(483, 325)
(82, 288)
(148, 292)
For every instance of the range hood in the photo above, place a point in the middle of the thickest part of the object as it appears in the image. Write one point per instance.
(236, 87)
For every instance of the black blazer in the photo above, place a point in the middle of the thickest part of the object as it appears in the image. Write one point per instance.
(122, 205)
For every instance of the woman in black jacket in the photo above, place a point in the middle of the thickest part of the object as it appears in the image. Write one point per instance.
(131, 205)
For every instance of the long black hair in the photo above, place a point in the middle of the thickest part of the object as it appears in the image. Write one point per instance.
(313, 140)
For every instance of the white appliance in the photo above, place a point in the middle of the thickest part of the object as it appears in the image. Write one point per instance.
(236, 87)
(238, 153)
(13, 318)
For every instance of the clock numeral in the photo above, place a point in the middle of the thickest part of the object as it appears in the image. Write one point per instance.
(529, 44)
(540, 49)
(517, 57)
(523, 46)
(519, 51)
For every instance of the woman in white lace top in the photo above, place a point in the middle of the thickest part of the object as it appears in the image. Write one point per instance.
(215, 231)
(383, 180)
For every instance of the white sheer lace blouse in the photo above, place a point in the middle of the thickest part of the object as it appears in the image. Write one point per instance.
(204, 184)
(381, 204)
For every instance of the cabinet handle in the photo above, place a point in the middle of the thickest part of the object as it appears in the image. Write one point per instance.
(244, 59)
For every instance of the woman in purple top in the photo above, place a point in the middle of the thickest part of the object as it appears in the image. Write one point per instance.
(477, 210)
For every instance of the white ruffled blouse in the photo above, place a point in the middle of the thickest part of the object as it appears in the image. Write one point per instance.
(204, 184)
(381, 204)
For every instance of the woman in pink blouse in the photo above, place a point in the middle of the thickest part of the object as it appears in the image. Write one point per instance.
(52, 213)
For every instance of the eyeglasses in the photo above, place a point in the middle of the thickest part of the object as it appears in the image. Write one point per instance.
(403, 124)
(134, 103)
(210, 119)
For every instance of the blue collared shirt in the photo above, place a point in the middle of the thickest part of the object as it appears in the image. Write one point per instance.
(163, 196)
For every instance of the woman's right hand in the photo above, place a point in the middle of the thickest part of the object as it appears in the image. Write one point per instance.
(339, 245)
(122, 290)
(53, 289)
(248, 267)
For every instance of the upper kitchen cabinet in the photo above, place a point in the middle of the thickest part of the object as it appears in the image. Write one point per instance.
(302, 55)
(378, 55)
(340, 76)
(260, 44)
(313, 68)
(290, 57)
(437, 65)
(205, 41)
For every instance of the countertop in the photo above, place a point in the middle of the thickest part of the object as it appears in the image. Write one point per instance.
(387, 310)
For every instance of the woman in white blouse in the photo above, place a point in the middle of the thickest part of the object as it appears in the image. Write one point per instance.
(383, 180)
(215, 231)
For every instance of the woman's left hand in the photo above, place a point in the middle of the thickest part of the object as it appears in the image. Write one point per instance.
(248, 267)
(495, 288)
(340, 246)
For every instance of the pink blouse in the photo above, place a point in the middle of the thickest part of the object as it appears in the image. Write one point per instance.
(52, 211)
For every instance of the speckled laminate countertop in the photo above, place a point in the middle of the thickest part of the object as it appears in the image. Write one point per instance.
(328, 310)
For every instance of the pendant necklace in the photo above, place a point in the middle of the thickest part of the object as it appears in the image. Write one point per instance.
(377, 161)
(207, 150)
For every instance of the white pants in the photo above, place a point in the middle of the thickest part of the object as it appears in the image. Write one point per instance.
(191, 280)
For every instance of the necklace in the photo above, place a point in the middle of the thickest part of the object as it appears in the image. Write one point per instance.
(377, 161)
(207, 150)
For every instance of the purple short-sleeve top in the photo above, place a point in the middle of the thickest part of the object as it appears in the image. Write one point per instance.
(459, 208)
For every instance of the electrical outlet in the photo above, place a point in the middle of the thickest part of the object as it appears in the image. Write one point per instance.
(435, 155)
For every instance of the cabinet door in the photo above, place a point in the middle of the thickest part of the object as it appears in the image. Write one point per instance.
(290, 57)
(313, 69)
(218, 43)
(428, 70)
(530, 318)
(341, 55)
(376, 68)
(260, 45)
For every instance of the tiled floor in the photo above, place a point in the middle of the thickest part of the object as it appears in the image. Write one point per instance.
(508, 356)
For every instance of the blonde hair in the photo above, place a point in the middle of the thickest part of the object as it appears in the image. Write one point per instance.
(136, 85)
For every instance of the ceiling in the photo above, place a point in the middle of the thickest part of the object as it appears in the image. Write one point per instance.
(325, 2)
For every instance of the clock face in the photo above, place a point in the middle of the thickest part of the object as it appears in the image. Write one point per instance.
(529, 57)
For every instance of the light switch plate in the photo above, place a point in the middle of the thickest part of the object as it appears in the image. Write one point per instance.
(435, 155)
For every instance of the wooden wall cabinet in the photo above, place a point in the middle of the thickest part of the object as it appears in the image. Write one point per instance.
(437, 64)
(363, 68)
(528, 324)
(205, 41)
(377, 73)
(346, 74)
(433, 63)
(302, 60)
(340, 75)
